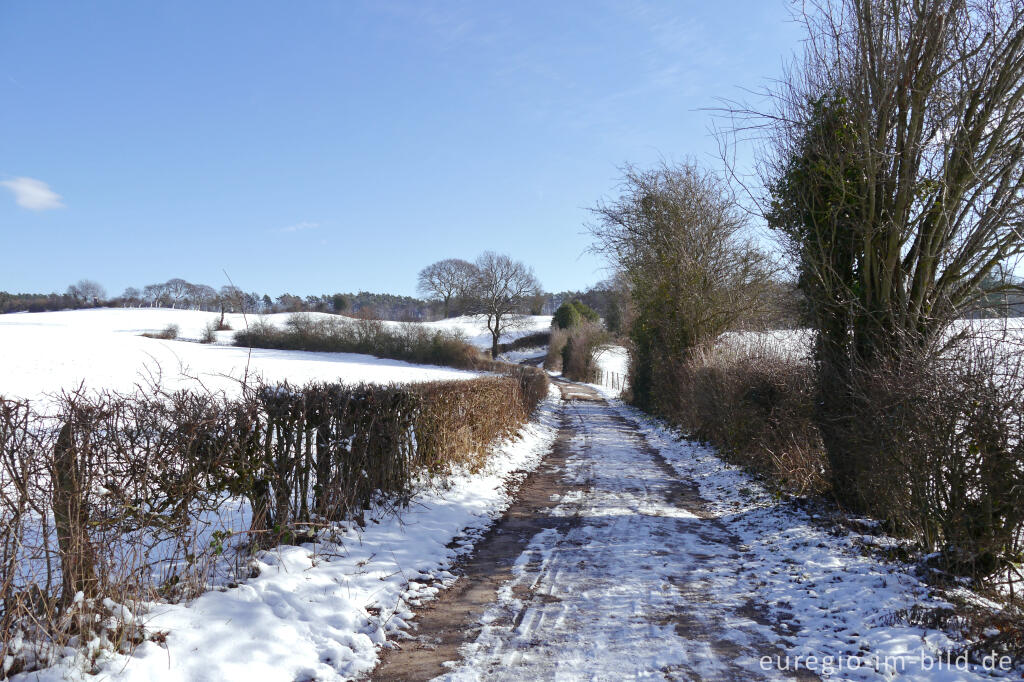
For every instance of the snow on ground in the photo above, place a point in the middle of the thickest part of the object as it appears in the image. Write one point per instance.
(42, 353)
(517, 357)
(835, 602)
(617, 589)
(613, 361)
(474, 328)
(673, 565)
(797, 343)
(320, 612)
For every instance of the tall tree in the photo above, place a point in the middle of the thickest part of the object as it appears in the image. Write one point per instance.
(447, 280)
(501, 291)
(87, 291)
(131, 297)
(177, 291)
(895, 166)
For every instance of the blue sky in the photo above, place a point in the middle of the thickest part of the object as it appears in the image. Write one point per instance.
(319, 146)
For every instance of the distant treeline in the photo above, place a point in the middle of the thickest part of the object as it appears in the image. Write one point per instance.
(179, 293)
(182, 294)
(37, 303)
(606, 298)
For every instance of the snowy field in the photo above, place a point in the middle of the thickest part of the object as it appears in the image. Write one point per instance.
(45, 353)
(475, 328)
(797, 343)
(613, 361)
(294, 615)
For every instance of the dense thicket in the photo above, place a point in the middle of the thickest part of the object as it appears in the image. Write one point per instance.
(573, 313)
(675, 235)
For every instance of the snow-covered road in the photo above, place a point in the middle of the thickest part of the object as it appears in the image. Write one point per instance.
(632, 554)
(620, 591)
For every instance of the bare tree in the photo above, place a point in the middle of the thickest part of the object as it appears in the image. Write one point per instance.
(232, 298)
(155, 294)
(131, 297)
(201, 296)
(177, 291)
(900, 138)
(894, 169)
(88, 291)
(502, 290)
(447, 280)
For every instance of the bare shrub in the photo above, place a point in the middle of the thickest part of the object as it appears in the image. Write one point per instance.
(109, 501)
(460, 417)
(124, 486)
(553, 360)
(989, 632)
(942, 438)
(209, 334)
(579, 355)
(404, 341)
(168, 333)
(755, 403)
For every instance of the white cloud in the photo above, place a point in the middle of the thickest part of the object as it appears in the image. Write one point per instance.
(35, 195)
(299, 227)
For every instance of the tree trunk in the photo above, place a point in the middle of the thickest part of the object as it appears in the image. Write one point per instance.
(70, 516)
(495, 335)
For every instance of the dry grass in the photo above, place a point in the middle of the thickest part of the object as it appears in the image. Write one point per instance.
(579, 355)
(553, 360)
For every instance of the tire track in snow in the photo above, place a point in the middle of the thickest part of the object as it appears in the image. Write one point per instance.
(614, 581)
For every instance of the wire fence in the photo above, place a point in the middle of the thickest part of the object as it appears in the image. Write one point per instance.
(614, 380)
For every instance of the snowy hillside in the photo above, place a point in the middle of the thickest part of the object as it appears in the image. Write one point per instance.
(474, 328)
(43, 353)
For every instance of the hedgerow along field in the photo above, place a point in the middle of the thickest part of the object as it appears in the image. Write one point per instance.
(112, 499)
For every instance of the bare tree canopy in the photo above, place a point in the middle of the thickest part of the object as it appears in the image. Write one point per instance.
(676, 234)
(894, 171)
(502, 291)
(87, 290)
(448, 281)
(900, 140)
